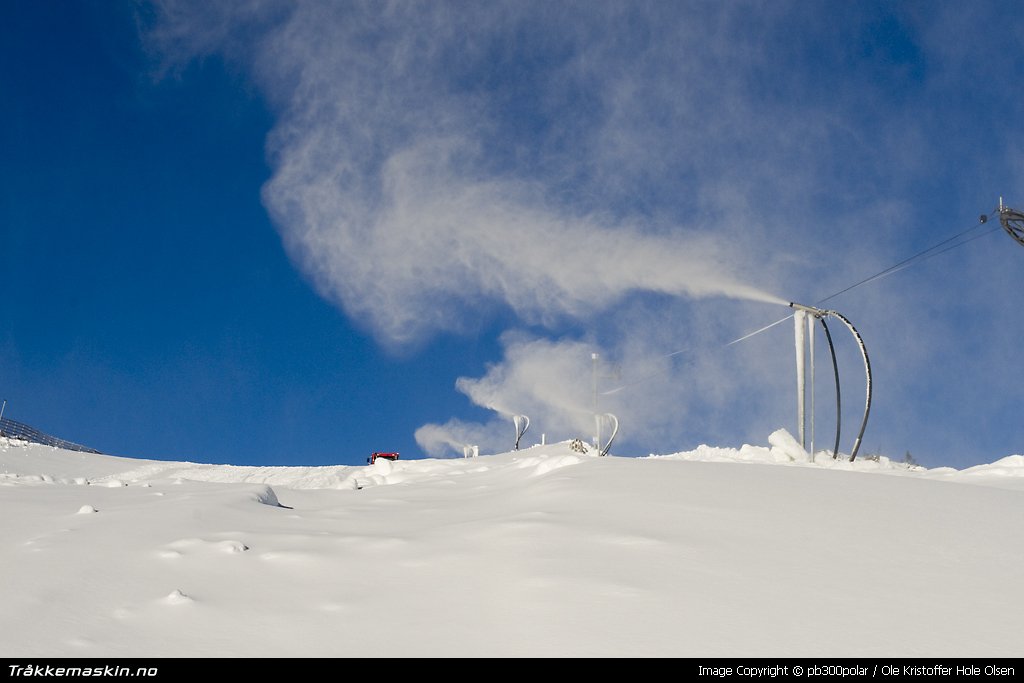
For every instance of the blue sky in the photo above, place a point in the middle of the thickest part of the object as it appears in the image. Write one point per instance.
(277, 233)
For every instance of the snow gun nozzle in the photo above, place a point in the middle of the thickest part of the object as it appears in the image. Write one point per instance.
(816, 312)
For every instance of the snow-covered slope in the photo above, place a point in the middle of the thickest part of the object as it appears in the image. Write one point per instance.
(542, 552)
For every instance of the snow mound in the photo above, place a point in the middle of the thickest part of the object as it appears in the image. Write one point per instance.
(199, 545)
(266, 496)
(176, 597)
(1010, 466)
(785, 448)
(86, 510)
(542, 464)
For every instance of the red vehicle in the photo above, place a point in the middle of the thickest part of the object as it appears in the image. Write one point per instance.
(387, 456)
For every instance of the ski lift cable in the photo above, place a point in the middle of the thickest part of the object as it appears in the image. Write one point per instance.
(923, 255)
(925, 258)
(949, 243)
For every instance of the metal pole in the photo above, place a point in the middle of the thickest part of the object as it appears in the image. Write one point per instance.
(800, 339)
(810, 345)
(597, 420)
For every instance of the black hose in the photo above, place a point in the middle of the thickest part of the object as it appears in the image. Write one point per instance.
(867, 373)
(835, 369)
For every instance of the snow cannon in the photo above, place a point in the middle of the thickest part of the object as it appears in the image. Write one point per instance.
(522, 423)
(801, 329)
(816, 312)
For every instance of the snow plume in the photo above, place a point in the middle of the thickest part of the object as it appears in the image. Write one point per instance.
(544, 379)
(451, 437)
(655, 396)
(442, 243)
(431, 161)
